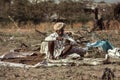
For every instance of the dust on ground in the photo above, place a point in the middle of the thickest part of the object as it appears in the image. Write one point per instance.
(12, 39)
(57, 73)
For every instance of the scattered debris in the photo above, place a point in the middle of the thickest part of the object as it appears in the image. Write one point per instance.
(24, 45)
(41, 33)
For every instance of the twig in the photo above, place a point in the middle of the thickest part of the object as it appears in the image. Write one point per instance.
(41, 33)
(13, 21)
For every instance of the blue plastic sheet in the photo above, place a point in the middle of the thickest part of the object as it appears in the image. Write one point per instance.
(106, 45)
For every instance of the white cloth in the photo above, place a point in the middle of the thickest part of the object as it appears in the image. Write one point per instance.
(59, 45)
(16, 55)
(114, 53)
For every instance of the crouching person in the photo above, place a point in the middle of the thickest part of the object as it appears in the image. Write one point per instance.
(59, 45)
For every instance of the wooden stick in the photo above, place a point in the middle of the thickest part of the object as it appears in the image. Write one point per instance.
(13, 21)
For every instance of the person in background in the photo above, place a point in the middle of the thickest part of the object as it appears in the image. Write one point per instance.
(96, 13)
(100, 22)
(98, 19)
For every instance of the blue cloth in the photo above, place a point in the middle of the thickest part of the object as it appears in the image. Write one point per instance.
(106, 45)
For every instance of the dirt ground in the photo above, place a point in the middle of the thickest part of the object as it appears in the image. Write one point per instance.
(12, 39)
(58, 73)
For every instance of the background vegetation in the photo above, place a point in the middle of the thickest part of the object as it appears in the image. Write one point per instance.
(36, 11)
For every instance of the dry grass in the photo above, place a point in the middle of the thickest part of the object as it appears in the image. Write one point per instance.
(30, 37)
(57, 73)
(114, 25)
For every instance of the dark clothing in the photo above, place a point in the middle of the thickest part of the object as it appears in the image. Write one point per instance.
(100, 24)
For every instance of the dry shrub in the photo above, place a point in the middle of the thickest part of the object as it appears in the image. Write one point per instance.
(77, 25)
(48, 26)
(90, 24)
(44, 27)
(113, 25)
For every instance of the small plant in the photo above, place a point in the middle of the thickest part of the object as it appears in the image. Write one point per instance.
(108, 74)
